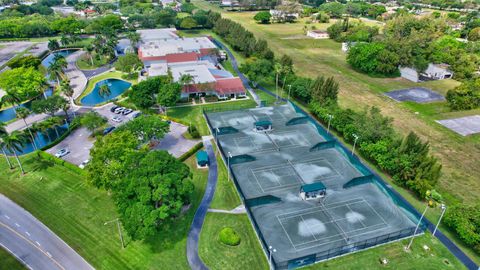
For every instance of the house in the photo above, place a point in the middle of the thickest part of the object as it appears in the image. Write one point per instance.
(318, 34)
(433, 72)
(279, 15)
(147, 35)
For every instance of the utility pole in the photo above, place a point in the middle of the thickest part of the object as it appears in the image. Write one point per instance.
(329, 119)
(229, 156)
(119, 229)
(354, 143)
(289, 88)
(270, 251)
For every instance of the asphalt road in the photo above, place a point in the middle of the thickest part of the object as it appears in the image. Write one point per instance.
(33, 243)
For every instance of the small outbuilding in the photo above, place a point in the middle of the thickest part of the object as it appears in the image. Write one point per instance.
(313, 191)
(202, 159)
(433, 72)
(318, 34)
(263, 125)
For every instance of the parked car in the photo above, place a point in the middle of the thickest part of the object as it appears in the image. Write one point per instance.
(117, 119)
(83, 164)
(114, 108)
(62, 152)
(119, 110)
(137, 114)
(127, 111)
(108, 130)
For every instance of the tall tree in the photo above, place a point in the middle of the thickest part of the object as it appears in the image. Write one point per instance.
(325, 91)
(23, 113)
(53, 45)
(92, 120)
(3, 132)
(68, 91)
(104, 90)
(56, 68)
(14, 142)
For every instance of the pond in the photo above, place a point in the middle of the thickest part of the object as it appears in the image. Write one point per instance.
(9, 114)
(117, 87)
(42, 139)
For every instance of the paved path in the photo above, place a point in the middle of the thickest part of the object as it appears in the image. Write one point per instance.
(33, 243)
(193, 235)
(78, 80)
(242, 77)
(94, 72)
(237, 210)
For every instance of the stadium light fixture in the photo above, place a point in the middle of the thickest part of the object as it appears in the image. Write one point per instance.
(270, 251)
(444, 208)
(330, 117)
(354, 143)
(229, 156)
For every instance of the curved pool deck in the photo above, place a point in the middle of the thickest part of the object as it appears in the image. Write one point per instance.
(117, 87)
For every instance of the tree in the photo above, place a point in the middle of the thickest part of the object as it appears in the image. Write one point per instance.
(67, 90)
(104, 90)
(3, 133)
(474, 34)
(25, 61)
(301, 88)
(146, 127)
(334, 9)
(161, 188)
(22, 83)
(92, 120)
(143, 94)
(89, 49)
(23, 113)
(373, 58)
(257, 70)
(169, 94)
(188, 23)
(325, 91)
(128, 63)
(465, 96)
(134, 38)
(53, 45)
(56, 68)
(49, 105)
(14, 142)
(263, 17)
(185, 80)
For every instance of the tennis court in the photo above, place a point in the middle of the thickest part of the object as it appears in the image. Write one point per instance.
(282, 161)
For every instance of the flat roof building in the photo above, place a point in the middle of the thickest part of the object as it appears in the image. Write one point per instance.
(188, 49)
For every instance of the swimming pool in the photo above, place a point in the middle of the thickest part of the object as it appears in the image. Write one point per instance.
(117, 87)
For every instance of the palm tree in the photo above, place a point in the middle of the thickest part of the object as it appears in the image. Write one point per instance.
(68, 91)
(3, 132)
(65, 40)
(104, 90)
(23, 113)
(14, 143)
(186, 80)
(53, 45)
(134, 38)
(53, 122)
(89, 49)
(11, 99)
(56, 68)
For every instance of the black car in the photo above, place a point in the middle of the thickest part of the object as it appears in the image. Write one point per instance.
(137, 114)
(113, 108)
(108, 130)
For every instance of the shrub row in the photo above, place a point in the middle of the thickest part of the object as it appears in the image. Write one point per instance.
(59, 161)
(72, 127)
(190, 152)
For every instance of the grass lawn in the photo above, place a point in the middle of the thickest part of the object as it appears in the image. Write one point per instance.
(216, 255)
(107, 75)
(194, 115)
(226, 196)
(85, 63)
(8, 261)
(80, 211)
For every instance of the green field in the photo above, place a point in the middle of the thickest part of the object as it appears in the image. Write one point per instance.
(9, 262)
(62, 200)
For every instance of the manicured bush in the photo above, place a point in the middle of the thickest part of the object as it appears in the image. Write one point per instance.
(229, 236)
(192, 129)
(465, 221)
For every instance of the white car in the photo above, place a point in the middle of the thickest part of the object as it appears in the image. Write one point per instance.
(83, 164)
(119, 110)
(62, 152)
(117, 119)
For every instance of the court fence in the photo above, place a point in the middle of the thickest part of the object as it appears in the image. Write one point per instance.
(343, 248)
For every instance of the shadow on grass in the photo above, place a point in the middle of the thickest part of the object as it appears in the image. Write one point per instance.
(38, 164)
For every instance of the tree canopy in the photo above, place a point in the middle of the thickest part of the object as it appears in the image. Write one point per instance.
(22, 82)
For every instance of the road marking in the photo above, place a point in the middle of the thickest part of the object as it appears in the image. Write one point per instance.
(7, 217)
(27, 233)
(31, 243)
(18, 225)
(18, 258)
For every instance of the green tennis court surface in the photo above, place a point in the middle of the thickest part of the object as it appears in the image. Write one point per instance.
(269, 169)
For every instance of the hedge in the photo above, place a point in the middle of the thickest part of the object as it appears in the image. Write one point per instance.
(59, 161)
(63, 136)
(190, 152)
(229, 236)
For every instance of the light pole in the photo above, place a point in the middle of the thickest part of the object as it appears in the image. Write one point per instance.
(229, 156)
(216, 139)
(354, 143)
(119, 229)
(444, 208)
(289, 89)
(329, 119)
(416, 228)
(270, 251)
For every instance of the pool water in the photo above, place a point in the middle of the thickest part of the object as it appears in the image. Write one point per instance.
(9, 114)
(42, 139)
(117, 87)
(47, 61)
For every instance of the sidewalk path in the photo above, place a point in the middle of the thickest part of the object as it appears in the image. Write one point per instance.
(78, 80)
(192, 241)
(237, 210)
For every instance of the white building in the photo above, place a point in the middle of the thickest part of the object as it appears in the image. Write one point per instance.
(147, 35)
(186, 49)
(433, 72)
(318, 34)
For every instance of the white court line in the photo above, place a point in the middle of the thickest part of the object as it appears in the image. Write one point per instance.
(317, 209)
(27, 233)
(7, 217)
(308, 227)
(363, 224)
(285, 231)
(37, 243)
(378, 214)
(18, 225)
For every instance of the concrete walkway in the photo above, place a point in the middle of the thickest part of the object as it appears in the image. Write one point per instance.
(78, 80)
(236, 211)
(193, 235)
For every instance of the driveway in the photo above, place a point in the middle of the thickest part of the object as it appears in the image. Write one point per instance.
(174, 142)
(10, 49)
(79, 144)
